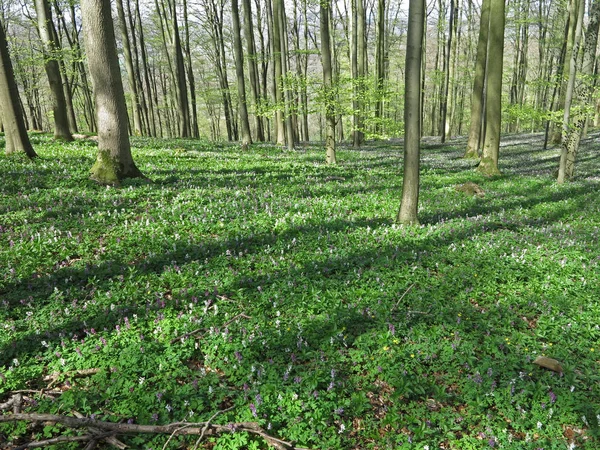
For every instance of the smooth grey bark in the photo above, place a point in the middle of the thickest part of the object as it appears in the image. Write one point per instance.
(493, 108)
(179, 74)
(189, 70)
(79, 80)
(444, 125)
(131, 75)
(114, 161)
(290, 134)
(380, 56)
(572, 15)
(253, 67)
(408, 213)
(359, 48)
(50, 46)
(278, 76)
(215, 20)
(478, 84)
(149, 92)
(68, 85)
(327, 83)
(245, 137)
(16, 136)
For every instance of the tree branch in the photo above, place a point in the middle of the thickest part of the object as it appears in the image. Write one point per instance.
(177, 428)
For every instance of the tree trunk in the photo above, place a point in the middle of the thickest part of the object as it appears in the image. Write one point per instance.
(412, 114)
(479, 83)
(194, 131)
(51, 50)
(327, 83)
(290, 135)
(569, 47)
(131, 75)
(278, 76)
(493, 110)
(572, 131)
(149, 93)
(12, 115)
(380, 53)
(253, 68)
(446, 64)
(180, 84)
(114, 161)
(246, 138)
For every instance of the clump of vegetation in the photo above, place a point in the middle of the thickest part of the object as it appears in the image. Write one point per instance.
(277, 290)
(470, 188)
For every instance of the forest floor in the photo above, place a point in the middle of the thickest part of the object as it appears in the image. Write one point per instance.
(266, 287)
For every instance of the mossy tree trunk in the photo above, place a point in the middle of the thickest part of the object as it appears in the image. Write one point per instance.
(114, 162)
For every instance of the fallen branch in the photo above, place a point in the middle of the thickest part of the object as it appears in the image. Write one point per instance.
(61, 440)
(179, 428)
(208, 424)
(8, 404)
(202, 331)
(111, 439)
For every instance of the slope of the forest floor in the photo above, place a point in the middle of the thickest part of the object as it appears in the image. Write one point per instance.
(270, 285)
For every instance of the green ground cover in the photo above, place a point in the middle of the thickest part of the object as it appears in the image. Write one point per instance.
(279, 287)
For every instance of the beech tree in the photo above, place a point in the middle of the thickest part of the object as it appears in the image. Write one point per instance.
(493, 109)
(131, 74)
(412, 113)
(114, 161)
(573, 129)
(477, 97)
(327, 82)
(51, 48)
(246, 138)
(12, 116)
